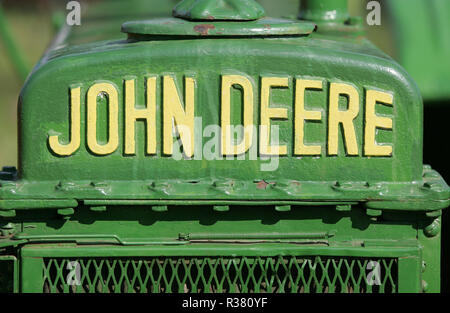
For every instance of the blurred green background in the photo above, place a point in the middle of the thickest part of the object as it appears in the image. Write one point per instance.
(31, 25)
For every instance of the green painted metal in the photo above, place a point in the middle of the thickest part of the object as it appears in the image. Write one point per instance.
(213, 269)
(331, 11)
(120, 212)
(397, 176)
(128, 232)
(332, 17)
(151, 29)
(230, 10)
(31, 274)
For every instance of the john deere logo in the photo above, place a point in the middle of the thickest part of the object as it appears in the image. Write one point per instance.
(178, 113)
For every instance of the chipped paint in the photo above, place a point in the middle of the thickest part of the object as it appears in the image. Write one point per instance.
(203, 29)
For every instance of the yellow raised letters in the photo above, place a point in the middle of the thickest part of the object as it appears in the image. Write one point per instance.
(345, 118)
(75, 116)
(374, 121)
(178, 110)
(302, 115)
(113, 108)
(269, 113)
(228, 81)
(176, 116)
(132, 114)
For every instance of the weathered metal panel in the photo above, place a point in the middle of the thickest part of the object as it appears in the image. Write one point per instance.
(345, 185)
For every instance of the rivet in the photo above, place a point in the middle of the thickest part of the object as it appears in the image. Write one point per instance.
(160, 208)
(374, 213)
(282, 208)
(101, 208)
(221, 208)
(344, 207)
(433, 229)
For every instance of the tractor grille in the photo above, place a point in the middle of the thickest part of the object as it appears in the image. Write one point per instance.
(221, 274)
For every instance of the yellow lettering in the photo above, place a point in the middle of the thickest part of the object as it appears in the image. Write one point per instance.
(132, 115)
(374, 121)
(113, 108)
(176, 116)
(228, 81)
(345, 118)
(302, 115)
(268, 113)
(75, 134)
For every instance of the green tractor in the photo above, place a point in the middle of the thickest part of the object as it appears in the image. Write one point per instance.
(211, 148)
